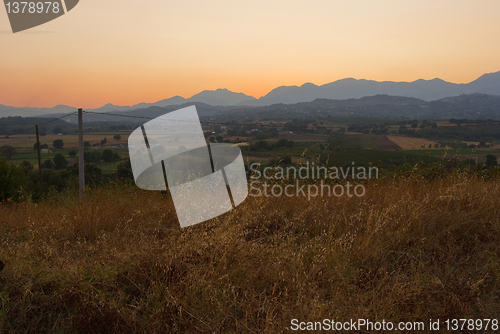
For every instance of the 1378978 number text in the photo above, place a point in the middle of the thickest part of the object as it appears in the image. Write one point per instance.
(33, 7)
(471, 324)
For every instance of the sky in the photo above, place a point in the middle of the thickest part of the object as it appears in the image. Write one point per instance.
(126, 51)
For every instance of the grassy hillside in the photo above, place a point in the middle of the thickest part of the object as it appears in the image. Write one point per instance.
(410, 250)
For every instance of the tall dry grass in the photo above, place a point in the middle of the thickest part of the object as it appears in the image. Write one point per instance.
(410, 250)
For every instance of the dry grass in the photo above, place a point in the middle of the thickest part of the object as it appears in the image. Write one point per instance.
(410, 250)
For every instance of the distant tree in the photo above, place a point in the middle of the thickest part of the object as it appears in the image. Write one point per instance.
(92, 156)
(72, 153)
(8, 151)
(104, 141)
(482, 144)
(47, 164)
(93, 174)
(219, 139)
(212, 139)
(58, 144)
(491, 161)
(86, 144)
(13, 181)
(60, 161)
(43, 146)
(261, 144)
(26, 165)
(117, 137)
(107, 155)
(285, 143)
(124, 170)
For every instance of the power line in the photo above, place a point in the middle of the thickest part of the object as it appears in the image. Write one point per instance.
(34, 127)
(211, 123)
(254, 124)
(203, 122)
(104, 113)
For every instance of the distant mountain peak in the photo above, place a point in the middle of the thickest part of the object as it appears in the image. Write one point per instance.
(347, 88)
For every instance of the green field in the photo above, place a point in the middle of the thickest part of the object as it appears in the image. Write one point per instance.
(343, 141)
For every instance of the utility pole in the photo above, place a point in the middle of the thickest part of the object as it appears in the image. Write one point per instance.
(81, 167)
(39, 160)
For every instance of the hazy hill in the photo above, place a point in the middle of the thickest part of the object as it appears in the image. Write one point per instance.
(350, 88)
(7, 111)
(427, 90)
(470, 106)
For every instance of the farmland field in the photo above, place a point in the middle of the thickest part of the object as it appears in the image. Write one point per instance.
(301, 137)
(342, 141)
(410, 143)
(384, 143)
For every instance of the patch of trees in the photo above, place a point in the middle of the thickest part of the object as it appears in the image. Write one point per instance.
(58, 144)
(486, 133)
(95, 156)
(460, 121)
(42, 146)
(298, 126)
(8, 151)
(262, 145)
(266, 134)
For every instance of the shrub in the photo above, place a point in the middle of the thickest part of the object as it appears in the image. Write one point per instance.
(7, 151)
(60, 161)
(58, 144)
(13, 181)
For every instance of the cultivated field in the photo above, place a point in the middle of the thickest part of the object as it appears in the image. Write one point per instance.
(384, 143)
(410, 250)
(351, 142)
(410, 143)
(301, 137)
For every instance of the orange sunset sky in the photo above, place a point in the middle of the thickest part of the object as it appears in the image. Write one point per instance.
(126, 52)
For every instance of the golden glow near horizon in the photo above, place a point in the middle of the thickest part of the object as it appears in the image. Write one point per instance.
(126, 52)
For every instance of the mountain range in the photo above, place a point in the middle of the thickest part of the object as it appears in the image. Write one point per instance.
(427, 90)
